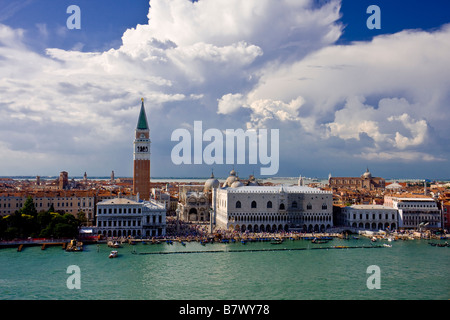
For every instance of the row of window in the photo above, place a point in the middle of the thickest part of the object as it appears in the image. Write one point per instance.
(39, 205)
(119, 223)
(417, 205)
(380, 216)
(128, 223)
(269, 205)
(118, 210)
(38, 199)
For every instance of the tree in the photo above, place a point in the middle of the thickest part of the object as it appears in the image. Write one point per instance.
(81, 216)
(29, 207)
(28, 222)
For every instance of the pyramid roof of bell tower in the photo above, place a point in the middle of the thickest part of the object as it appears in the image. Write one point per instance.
(142, 121)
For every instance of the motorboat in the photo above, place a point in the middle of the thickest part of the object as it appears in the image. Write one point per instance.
(113, 254)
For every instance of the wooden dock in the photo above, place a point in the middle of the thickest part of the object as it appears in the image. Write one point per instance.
(53, 244)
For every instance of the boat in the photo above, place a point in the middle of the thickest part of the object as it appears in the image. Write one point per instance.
(113, 254)
(276, 241)
(318, 241)
(113, 244)
(243, 241)
(373, 239)
(74, 246)
(387, 245)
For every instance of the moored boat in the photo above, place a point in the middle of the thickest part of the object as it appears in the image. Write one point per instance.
(74, 246)
(113, 244)
(113, 254)
(318, 241)
(276, 241)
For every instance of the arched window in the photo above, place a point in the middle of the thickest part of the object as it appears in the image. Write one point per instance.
(294, 204)
(324, 207)
(309, 206)
(282, 206)
(269, 204)
(253, 204)
(238, 204)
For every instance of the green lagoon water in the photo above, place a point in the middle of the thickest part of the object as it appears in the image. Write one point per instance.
(409, 270)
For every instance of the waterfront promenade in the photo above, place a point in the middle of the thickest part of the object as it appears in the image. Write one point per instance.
(199, 233)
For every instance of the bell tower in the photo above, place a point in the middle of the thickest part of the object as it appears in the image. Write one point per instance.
(141, 157)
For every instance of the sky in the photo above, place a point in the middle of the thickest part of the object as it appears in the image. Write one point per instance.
(344, 97)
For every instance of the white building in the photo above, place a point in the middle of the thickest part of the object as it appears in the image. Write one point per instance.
(370, 217)
(122, 217)
(415, 210)
(272, 208)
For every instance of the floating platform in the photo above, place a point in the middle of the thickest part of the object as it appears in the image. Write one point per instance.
(257, 250)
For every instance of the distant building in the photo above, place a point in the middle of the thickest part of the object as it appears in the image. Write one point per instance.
(415, 210)
(63, 180)
(160, 195)
(370, 217)
(141, 157)
(365, 181)
(120, 217)
(446, 215)
(71, 202)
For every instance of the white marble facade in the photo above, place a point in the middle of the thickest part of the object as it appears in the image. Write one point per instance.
(273, 208)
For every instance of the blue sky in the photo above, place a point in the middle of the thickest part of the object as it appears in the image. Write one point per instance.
(312, 69)
(104, 21)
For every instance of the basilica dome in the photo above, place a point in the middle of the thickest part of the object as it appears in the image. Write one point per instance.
(237, 184)
(252, 181)
(232, 178)
(367, 174)
(211, 183)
